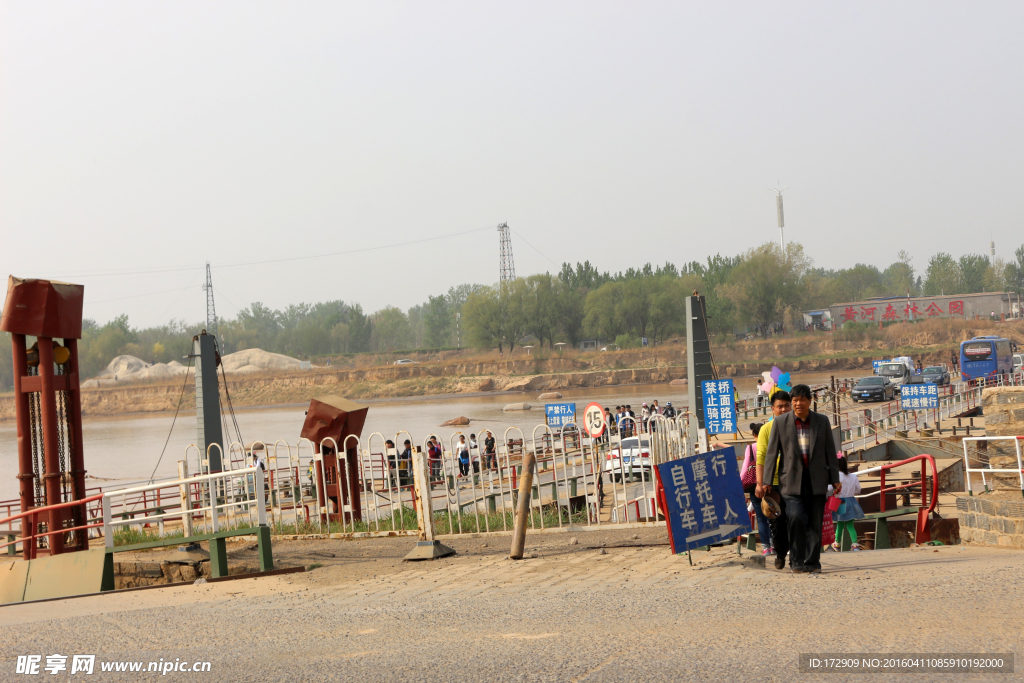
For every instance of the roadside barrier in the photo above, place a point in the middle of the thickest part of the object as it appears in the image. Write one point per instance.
(928, 490)
(990, 471)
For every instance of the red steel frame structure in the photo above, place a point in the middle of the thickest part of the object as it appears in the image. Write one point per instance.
(48, 311)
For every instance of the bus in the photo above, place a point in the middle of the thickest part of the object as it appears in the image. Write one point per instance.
(986, 357)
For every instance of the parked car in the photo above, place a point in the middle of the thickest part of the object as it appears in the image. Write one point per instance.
(874, 389)
(635, 460)
(1018, 362)
(935, 374)
(404, 361)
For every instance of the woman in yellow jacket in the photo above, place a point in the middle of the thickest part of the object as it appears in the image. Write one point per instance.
(781, 404)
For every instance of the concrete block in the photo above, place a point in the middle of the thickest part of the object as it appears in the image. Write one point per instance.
(961, 504)
(1018, 414)
(1015, 509)
(988, 507)
(991, 538)
(994, 418)
(982, 522)
(974, 505)
(970, 519)
(1018, 526)
(1004, 541)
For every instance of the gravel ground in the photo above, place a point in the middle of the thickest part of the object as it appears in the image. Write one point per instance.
(570, 612)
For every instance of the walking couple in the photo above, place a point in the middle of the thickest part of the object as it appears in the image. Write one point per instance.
(798, 460)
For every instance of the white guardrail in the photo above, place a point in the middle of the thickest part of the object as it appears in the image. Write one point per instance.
(225, 498)
(983, 471)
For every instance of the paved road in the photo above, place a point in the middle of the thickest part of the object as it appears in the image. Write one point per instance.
(568, 613)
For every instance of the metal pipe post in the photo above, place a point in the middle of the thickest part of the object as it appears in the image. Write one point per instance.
(523, 508)
(48, 408)
(25, 474)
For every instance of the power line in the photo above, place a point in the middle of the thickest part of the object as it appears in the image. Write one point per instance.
(520, 236)
(352, 251)
(137, 296)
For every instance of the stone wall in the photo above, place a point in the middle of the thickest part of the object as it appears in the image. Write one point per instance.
(1004, 411)
(991, 522)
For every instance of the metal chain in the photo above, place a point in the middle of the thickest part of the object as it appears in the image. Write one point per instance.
(62, 423)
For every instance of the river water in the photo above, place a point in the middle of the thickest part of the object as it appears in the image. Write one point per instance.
(122, 450)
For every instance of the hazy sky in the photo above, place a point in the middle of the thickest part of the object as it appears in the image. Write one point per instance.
(140, 140)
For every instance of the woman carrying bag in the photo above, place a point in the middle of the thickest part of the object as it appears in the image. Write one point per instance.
(849, 509)
(748, 477)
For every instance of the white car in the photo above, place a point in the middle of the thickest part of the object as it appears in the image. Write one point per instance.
(404, 361)
(635, 460)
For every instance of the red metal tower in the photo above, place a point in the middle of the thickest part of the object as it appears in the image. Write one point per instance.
(48, 404)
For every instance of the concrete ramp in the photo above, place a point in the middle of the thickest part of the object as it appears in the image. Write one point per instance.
(60, 576)
(13, 576)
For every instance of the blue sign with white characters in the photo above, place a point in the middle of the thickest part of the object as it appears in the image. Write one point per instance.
(559, 414)
(719, 406)
(704, 498)
(875, 364)
(919, 396)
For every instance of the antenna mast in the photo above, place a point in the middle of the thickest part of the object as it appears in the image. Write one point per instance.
(211, 312)
(508, 266)
(782, 219)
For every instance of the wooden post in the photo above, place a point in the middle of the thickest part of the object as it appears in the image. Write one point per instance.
(523, 509)
(186, 504)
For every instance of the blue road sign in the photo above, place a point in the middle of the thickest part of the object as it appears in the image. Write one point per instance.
(719, 406)
(919, 396)
(704, 498)
(559, 414)
(875, 364)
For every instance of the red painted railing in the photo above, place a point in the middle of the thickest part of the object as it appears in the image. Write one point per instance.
(29, 520)
(928, 502)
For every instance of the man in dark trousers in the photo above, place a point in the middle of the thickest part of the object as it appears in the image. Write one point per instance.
(807, 466)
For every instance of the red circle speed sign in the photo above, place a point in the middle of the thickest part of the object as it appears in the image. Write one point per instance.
(593, 420)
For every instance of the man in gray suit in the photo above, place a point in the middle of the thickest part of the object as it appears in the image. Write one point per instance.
(802, 448)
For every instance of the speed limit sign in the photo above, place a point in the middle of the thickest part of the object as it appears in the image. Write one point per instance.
(593, 420)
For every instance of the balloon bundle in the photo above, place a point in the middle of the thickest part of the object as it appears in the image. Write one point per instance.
(775, 380)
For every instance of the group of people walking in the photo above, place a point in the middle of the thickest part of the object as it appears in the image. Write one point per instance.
(627, 423)
(791, 486)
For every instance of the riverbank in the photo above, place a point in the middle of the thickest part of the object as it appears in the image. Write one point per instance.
(468, 372)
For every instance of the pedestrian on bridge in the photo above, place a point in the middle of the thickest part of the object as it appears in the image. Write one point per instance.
(462, 451)
(801, 449)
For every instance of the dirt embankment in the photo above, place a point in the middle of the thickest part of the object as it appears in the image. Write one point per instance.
(469, 371)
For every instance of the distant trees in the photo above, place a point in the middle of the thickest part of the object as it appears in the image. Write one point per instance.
(755, 289)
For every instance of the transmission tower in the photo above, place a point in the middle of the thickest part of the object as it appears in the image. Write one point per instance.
(211, 312)
(508, 266)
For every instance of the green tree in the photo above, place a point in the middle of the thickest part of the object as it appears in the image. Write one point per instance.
(942, 275)
(438, 322)
(972, 273)
(767, 282)
(390, 329)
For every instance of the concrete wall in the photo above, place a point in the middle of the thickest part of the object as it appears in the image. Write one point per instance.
(1004, 411)
(964, 306)
(991, 522)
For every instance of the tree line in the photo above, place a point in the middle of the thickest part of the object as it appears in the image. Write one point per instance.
(754, 290)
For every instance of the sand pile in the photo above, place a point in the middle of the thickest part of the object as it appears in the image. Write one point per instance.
(131, 369)
(258, 360)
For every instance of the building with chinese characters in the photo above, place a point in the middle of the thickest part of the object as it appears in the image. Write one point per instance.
(1001, 305)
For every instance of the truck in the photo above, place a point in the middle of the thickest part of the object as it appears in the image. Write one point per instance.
(898, 370)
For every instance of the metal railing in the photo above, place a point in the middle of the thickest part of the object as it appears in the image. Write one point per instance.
(983, 471)
(226, 498)
(30, 522)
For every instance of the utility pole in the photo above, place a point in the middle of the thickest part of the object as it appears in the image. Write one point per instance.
(507, 271)
(211, 312)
